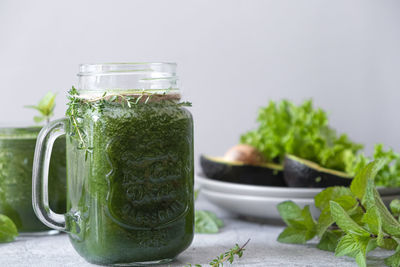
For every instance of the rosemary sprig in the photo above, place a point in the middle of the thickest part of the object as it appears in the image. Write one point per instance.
(228, 256)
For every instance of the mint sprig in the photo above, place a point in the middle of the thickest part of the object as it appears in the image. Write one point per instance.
(206, 222)
(45, 107)
(353, 221)
(301, 225)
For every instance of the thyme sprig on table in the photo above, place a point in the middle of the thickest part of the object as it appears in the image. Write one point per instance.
(77, 104)
(228, 256)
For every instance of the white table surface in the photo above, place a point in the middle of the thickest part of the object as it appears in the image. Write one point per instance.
(262, 251)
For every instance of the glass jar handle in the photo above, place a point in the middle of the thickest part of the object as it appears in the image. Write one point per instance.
(40, 175)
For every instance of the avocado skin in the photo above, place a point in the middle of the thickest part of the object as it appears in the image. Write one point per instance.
(241, 174)
(299, 174)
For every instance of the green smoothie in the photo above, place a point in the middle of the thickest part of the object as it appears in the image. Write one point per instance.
(17, 147)
(130, 181)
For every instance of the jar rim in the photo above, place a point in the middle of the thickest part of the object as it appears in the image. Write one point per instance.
(164, 69)
(143, 76)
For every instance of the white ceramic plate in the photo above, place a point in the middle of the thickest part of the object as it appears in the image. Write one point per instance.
(261, 207)
(270, 191)
(255, 190)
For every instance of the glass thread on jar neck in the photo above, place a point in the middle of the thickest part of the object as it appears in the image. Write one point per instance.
(128, 78)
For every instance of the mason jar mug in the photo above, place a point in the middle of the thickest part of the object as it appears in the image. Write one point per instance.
(129, 143)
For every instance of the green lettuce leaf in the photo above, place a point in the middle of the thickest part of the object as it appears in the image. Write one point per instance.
(389, 174)
(303, 131)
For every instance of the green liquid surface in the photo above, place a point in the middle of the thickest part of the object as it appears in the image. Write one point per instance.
(131, 195)
(17, 148)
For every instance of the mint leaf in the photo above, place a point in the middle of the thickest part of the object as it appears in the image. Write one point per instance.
(347, 202)
(331, 193)
(394, 260)
(330, 240)
(294, 216)
(344, 221)
(8, 230)
(389, 224)
(369, 196)
(293, 235)
(324, 221)
(373, 220)
(395, 207)
(289, 211)
(356, 247)
(47, 103)
(389, 244)
(372, 199)
(308, 221)
(361, 260)
(347, 245)
(32, 107)
(301, 225)
(45, 107)
(206, 222)
(359, 183)
(38, 119)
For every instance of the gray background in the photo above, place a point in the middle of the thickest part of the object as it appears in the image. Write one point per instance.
(233, 57)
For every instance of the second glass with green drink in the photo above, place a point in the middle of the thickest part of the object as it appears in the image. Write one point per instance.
(17, 148)
(129, 142)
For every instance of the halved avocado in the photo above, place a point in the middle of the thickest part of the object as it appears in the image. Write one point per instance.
(238, 172)
(299, 172)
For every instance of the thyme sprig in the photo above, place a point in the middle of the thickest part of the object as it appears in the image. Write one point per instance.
(228, 256)
(75, 115)
(76, 102)
(123, 99)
